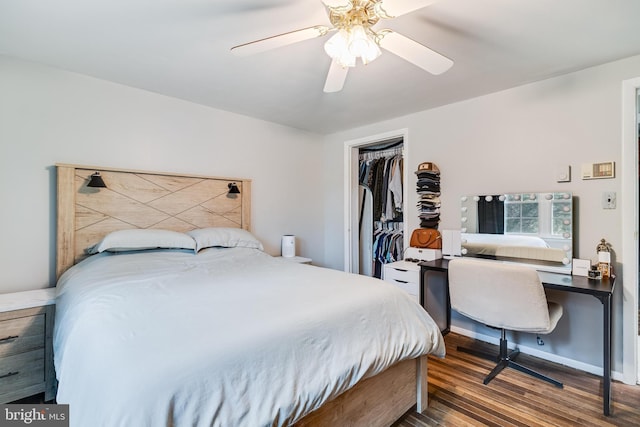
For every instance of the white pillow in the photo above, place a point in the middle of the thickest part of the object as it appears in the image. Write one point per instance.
(141, 239)
(224, 237)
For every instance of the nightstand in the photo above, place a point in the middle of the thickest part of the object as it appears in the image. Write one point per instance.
(26, 349)
(298, 259)
(405, 275)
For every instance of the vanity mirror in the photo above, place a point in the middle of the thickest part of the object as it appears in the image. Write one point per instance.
(532, 228)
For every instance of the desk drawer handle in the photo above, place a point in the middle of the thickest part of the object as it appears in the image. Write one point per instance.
(10, 374)
(401, 281)
(400, 269)
(9, 338)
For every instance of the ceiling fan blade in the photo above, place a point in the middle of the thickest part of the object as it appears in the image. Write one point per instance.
(335, 78)
(279, 40)
(393, 8)
(336, 4)
(414, 52)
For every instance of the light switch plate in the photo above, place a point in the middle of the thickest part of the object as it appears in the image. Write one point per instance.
(563, 174)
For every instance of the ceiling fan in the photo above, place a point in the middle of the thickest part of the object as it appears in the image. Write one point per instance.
(353, 22)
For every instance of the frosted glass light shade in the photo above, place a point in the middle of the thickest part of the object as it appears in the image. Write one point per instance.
(351, 43)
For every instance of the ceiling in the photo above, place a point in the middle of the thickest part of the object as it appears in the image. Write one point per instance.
(180, 48)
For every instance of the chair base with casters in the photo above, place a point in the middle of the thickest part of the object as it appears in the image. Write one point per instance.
(506, 359)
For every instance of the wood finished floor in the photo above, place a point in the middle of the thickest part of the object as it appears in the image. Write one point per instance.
(457, 396)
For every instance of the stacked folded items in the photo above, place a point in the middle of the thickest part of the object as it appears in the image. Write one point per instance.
(428, 188)
(429, 207)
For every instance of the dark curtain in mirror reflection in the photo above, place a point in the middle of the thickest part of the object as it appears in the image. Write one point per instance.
(491, 215)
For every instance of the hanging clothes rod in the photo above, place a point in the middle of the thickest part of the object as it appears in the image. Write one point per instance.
(388, 226)
(370, 155)
(383, 146)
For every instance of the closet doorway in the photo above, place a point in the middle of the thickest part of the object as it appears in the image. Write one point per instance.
(630, 225)
(637, 266)
(375, 216)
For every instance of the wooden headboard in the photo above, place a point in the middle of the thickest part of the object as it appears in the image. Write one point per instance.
(140, 199)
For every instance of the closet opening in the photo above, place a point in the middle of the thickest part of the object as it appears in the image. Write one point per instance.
(381, 205)
(630, 221)
(352, 194)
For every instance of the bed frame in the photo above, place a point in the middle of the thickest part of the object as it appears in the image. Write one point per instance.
(137, 199)
(180, 202)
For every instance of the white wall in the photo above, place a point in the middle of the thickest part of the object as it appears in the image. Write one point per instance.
(513, 141)
(49, 116)
(507, 141)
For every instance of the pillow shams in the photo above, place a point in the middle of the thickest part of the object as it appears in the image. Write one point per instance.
(141, 239)
(224, 237)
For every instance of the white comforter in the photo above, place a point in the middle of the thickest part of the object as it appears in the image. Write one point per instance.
(228, 337)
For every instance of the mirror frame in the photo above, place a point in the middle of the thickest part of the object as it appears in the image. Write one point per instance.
(545, 250)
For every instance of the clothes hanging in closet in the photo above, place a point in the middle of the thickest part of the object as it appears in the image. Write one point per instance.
(388, 245)
(383, 176)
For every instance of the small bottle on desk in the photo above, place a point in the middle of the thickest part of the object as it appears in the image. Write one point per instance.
(604, 258)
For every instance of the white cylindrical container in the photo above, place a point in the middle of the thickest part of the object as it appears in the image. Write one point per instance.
(288, 246)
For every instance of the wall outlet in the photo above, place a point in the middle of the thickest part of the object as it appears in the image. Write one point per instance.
(609, 200)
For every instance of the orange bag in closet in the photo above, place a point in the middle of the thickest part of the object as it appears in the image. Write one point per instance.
(426, 238)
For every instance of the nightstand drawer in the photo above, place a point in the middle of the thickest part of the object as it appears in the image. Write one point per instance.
(410, 288)
(401, 274)
(26, 350)
(402, 271)
(21, 334)
(21, 371)
(405, 275)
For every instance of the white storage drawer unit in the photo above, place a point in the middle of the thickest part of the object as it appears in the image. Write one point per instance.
(405, 275)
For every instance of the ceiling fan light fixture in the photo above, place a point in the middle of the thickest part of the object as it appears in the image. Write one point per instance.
(380, 11)
(370, 50)
(351, 43)
(337, 44)
(347, 60)
(372, 54)
(359, 41)
(363, 44)
(353, 22)
(338, 4)
(337, 47)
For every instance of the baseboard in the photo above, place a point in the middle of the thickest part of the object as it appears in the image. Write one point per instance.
(572, 363)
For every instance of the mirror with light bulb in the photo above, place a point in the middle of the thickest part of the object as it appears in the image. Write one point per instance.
(530, 228)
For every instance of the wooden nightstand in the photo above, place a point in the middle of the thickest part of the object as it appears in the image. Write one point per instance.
(26, 349)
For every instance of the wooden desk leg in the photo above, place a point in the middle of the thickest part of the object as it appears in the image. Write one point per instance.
(606, 377)
(424, 283)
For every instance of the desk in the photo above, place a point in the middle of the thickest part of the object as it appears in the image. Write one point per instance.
(601, 289)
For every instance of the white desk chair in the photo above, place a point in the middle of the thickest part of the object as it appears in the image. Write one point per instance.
(506, 297)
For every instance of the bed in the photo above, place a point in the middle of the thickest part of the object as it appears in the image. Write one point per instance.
(218, 333)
